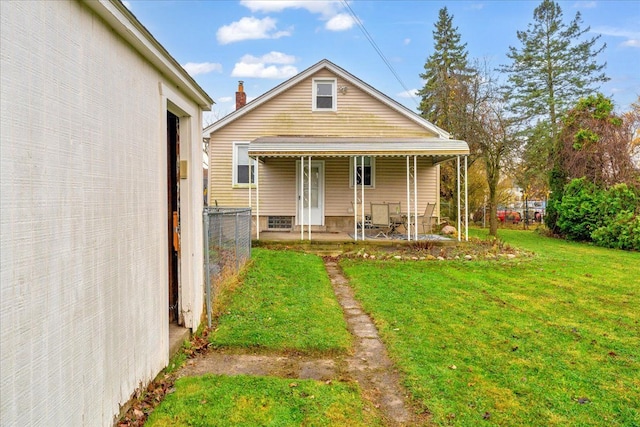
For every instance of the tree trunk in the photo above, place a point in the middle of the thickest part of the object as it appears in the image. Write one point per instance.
(492, 182)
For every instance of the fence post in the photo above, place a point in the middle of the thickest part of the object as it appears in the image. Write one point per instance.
(207, 265)
(236, 241)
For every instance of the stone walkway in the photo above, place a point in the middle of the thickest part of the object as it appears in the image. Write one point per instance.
(369, 364)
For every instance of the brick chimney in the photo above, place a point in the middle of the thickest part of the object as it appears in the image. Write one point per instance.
(241, 97)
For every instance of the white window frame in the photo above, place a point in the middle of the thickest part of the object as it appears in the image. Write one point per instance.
(252, 164)
(373, 171)
(334, 94)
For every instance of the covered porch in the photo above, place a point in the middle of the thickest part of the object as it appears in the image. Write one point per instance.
(408, 176)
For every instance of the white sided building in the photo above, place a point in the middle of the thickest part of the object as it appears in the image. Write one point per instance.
(101, 209)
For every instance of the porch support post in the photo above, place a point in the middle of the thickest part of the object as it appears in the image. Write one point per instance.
(301, 198)
(466, 201)
(408, 201)
(309, 199)
(415, 195)
(458, 175)
(355, 198)
(257, 198)
(362, 192)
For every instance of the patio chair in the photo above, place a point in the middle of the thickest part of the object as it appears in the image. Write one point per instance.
(396, 216)
(380, 219)
(367, 217)
(427, 219)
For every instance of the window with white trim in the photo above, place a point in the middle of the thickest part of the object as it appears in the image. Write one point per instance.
(366, 173)
(243, 166)
(324, 95)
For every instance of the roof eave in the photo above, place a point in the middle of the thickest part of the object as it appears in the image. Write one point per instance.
(127, 26)
(449, 154)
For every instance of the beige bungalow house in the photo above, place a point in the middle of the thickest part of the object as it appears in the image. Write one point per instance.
(314, 153)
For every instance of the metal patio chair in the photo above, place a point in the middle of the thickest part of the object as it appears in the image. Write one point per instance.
(396, 216)
(427, 219)
(380, 219)
(358, 213)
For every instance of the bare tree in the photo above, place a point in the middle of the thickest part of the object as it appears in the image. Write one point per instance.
(494, 135)
(597, 144)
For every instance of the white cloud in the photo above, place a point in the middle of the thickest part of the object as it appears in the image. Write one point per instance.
(223, 99)
(263, 71)
(330, 11)
(273, 65)
(195, 68)
(616, 32)
(272, 57)
(632, 36)
(411, 93)
(325, 8)
(126, 4)
(406, 41)
(250, 28)
(585, 5)
(340, 22)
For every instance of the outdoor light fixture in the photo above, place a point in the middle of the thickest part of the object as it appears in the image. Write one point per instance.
(342, 89)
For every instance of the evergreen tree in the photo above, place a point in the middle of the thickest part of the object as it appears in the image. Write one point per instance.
(444, 95)
(554, 68)
(446, 73)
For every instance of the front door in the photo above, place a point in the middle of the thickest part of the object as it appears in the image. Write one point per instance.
(310, 191)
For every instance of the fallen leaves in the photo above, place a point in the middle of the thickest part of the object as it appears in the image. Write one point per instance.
(146, 401)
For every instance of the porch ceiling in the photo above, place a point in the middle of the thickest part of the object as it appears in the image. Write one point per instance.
(329, 146)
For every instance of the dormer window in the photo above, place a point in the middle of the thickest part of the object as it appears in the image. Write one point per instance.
(324, 95)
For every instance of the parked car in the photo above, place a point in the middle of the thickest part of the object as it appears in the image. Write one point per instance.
(509, 216)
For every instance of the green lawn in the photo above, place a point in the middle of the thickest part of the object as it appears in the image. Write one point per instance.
(548, 340)
(210, 400)
(285, 303)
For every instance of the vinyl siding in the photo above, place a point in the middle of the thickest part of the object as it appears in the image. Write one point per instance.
(290, 113)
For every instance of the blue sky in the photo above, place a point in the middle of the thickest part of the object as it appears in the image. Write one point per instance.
(264, 42)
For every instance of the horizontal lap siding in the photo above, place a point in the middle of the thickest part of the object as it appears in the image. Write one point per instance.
(84, 218)
(291, 114)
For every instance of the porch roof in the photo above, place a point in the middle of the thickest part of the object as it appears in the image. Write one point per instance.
(332, 146)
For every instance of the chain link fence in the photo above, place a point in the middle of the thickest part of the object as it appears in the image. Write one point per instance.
(227, 247)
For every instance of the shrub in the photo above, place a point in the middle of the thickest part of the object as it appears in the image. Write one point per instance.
(579, 211)
(620, 227)
(623, 232)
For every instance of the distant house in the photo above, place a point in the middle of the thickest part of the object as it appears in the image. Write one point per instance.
(101, 145)
(315, 150)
